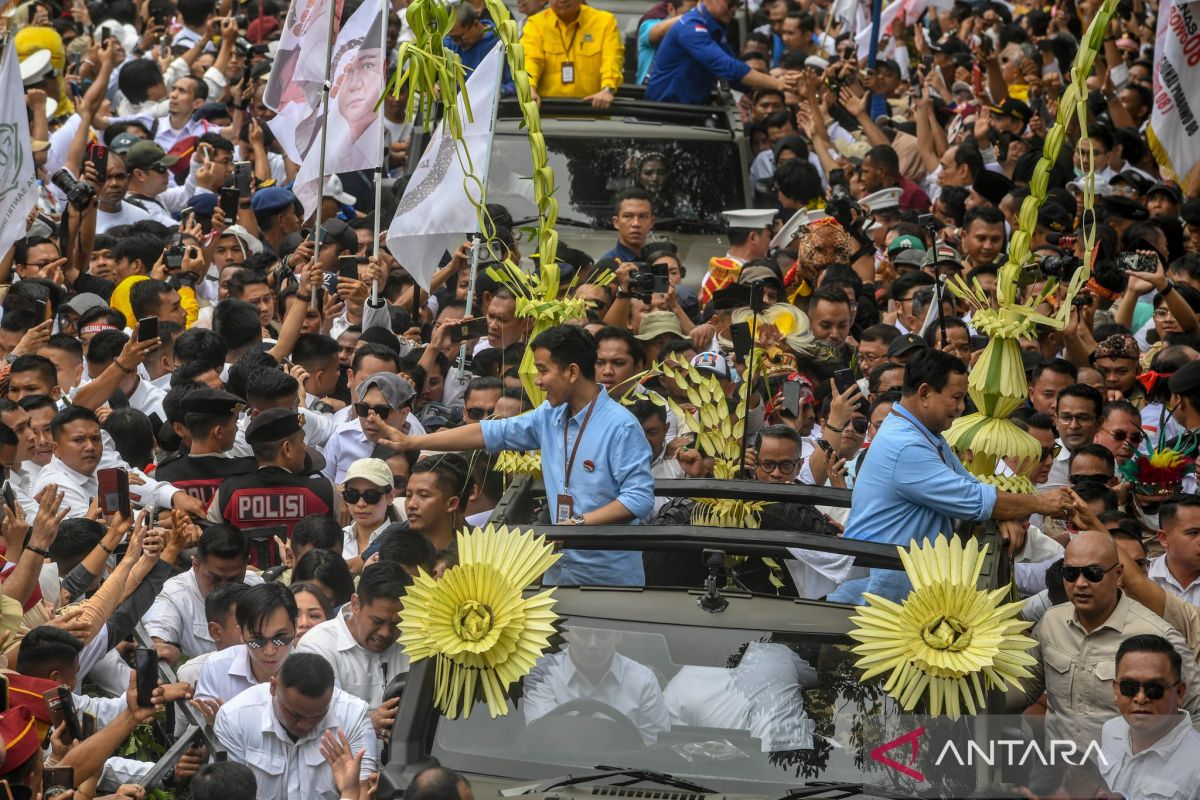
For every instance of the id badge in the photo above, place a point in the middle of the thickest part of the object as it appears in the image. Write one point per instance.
(565, 510)
(568, 72)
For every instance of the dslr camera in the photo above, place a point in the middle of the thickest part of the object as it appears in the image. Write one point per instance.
(79, 193)
(648, 281)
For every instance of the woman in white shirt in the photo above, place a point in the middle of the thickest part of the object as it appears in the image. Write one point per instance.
(367, 490)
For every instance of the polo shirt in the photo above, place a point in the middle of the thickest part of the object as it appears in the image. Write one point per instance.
(1169, 769)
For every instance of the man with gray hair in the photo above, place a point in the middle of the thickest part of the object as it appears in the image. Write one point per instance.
(382, 399)
(473, 37)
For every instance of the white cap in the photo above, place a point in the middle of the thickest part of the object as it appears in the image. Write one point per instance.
(251, 245)
(750, 218)
(36, 68)
(817, 62)
(333, 188)
(883, 200)
(792, 227)
(375, 470)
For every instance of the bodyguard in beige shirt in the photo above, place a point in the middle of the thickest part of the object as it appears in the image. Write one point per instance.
(1078, 642)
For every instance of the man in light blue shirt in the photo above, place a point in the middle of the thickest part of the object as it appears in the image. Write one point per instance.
(595, 457)
(911, 485)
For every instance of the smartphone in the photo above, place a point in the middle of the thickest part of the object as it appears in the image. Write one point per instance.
(58, 778)
(147, 329)
(843, 379)
(88, 723)
(186, 216)
(826, 447)
(470, 329)
(348, 267)
(791, 398)
(242, 177)
(70, 715)
(231, 198)
(98, 155)
(114, 491)
(145, 664)
(743, 342)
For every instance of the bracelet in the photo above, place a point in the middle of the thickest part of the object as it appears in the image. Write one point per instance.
(106, 548)
(1166, 290)
(304, 298)
(122, 367)
(39, 551)
(829, 427)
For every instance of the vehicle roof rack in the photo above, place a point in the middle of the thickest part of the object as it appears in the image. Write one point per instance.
(707, 116)
(752, 490)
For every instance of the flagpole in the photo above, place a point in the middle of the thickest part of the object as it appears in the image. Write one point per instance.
(324, 135)
(379, 171)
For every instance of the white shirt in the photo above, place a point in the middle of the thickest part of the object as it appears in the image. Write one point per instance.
(226, 674)
(350, 538)
(248, 728)
(1168, 769)
(128, 215)
(348, 444)
(190, 671)
(1160, 574)
(79, 489)
(168, 136)
(628, 686)
(177, 615)
(148, 399)
(356, 669)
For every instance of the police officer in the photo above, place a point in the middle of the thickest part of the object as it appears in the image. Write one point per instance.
(210, 416)
(281, 492)
(694, 54)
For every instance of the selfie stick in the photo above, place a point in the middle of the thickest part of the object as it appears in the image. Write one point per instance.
(476, 244)
(324, 135)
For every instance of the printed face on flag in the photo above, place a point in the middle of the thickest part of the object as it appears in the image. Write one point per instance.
(358, 87)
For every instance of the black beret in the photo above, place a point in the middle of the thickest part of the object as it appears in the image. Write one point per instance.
(992, 186)
(274, 425)
(1186, 379)
(1116, 205)
(1055, 217)
(211, 403)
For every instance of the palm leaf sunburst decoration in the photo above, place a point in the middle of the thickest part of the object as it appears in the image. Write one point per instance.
(948, 640)
(477, 623)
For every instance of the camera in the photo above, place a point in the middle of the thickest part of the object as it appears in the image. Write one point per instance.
(1137, 262)
(648, 281)
(1060, 267)
(842, 207)
(78, 193)
(174, 254)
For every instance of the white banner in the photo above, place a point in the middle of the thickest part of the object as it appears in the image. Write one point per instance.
(1174, 132)
(356, 78)
(913, 9)
(17, 192)
(435, 213)
(293, 88)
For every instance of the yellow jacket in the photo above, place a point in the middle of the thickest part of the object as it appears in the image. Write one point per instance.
(592, 44)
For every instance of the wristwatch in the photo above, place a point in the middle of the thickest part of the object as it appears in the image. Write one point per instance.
(1166, 290)
(577, 519)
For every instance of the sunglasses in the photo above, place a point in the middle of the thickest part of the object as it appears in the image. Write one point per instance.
(281, 641)
(1134, 437)
(477, 413)
(363, 410)
(372, 496)
(1153, 690)
(1089, 480)
(1092, 573)
(859, 425)
(1051, 452)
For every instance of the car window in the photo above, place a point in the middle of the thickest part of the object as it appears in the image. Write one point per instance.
(728, 708)
(691, 182)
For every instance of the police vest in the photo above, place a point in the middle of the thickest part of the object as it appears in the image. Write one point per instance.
(272, 497)
(201, 476)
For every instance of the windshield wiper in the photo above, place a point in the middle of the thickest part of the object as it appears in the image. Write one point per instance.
(838, 791)
(636, 776)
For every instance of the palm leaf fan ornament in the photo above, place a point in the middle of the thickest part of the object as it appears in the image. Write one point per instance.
(476, 621)
(948, 642)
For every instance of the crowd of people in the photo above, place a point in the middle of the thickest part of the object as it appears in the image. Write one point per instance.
(250, 436)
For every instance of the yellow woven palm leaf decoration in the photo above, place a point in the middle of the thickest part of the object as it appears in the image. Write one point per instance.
(476, 622)
(948, 642)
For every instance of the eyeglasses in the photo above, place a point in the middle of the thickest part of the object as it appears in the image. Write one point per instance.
(372, 496)
(1071, 419)
(1162, 313)
(476, 413)
(1153, 690)
(278, 641)
(1092, 573)
(363, 410)
(786, 467)
(1134, 437)
(1051, 452)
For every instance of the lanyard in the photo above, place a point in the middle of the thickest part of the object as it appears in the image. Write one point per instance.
(568, 46)
(923, 433)
(569, 464)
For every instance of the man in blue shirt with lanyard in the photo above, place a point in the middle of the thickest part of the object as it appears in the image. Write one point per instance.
(911, 485)
(694, 54)
(595, 457)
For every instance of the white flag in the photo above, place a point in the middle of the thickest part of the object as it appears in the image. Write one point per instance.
(356, 78)
(913, 9)
(435, 213)
(17, 192)
(293, 89)
(1174, 132)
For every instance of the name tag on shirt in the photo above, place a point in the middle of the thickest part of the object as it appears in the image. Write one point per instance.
(568, 72)
(565, 510)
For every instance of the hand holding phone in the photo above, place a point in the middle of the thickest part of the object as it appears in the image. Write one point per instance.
(145, 664)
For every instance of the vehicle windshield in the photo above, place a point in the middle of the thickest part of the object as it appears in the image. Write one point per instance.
(691, 182)
(734, 710)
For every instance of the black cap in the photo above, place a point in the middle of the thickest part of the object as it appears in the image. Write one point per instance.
(1190, 212)
(274, 425)
(1137, 180)
(992, 186)
(1186, 379)
(211, 403)
(1030, 360)
(1169, 189)
(1013, 108)
(336, 230)
(1116, 205)
(903, 345)
(1055, 217)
